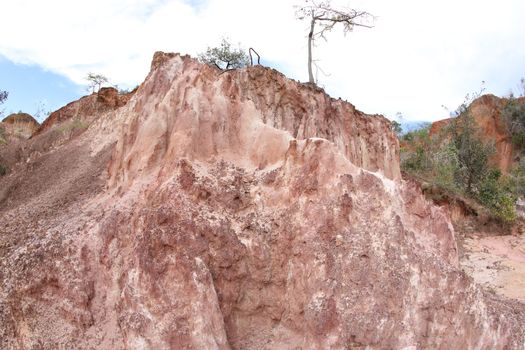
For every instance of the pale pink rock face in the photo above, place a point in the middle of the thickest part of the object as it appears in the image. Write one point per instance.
(233, 210)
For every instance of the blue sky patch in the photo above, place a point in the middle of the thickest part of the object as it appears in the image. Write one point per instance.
(31, 88)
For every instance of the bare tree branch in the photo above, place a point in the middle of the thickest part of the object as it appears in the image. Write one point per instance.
(327, 17)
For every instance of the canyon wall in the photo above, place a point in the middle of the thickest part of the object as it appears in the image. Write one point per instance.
(232, 210)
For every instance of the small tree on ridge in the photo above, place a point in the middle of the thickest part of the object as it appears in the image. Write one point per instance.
(225, 57)
(95, 81)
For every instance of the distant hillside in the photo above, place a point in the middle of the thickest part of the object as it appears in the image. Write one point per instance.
(409, 125)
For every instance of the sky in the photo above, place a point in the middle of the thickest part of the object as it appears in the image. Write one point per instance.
(418, 57)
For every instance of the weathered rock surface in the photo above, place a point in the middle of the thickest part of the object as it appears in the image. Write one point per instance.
(17, 126)
(240, 210)
(106, 99)
(21, 119)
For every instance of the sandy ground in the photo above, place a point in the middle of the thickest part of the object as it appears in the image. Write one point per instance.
(497, 263)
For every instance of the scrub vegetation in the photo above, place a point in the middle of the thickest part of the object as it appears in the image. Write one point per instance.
(455, 159)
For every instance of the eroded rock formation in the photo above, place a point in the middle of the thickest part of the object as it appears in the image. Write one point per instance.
(233, 210)
(18, 126)
(88, 107)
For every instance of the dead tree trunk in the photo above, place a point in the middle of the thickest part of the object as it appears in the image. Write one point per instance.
(310, 43)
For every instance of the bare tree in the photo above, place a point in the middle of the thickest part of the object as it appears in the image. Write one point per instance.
(521, 87)
(42, 111)
(3, 97)
(95, 81)
(328, 17)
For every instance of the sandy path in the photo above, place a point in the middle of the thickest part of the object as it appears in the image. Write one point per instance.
(497, 262)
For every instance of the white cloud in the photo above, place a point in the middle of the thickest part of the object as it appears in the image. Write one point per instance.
(419, 56)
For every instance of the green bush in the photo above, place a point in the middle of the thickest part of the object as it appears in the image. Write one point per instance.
(414, 158)
(456, 160)
(513, 115)
(516, 179)
(445, 164)
(518, 139)
(489, 189)
(419, 135)
(396, 127)
(495, 196)
(506, 209)
(472, 153)
(225, 57)
(72, 125)
(3, 169)
(408, 137)
(415, 161)
(2, 135)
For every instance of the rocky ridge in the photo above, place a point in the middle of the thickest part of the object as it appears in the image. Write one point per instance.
(238, 209)
(106, 99)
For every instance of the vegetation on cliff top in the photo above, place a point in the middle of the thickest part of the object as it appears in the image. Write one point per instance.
(225, 57)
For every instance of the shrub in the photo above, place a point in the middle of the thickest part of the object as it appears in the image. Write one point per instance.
(415, 161)
(415, 156)
(456, 159)
(516, 179)
(489, 189)
(472, 153)
(72, 125)
(495, 196)
(420, 134)
(445, 163)
(225, 57)
(505, 209)
(3, 169)
(2, 135)
(513, 115)
(396, 127)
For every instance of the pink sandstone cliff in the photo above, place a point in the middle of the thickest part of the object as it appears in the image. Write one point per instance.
(232, 210)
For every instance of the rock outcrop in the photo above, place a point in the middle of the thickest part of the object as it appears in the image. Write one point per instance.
(106, 99)
(19, 126)
(21, 119)
(233, 210)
